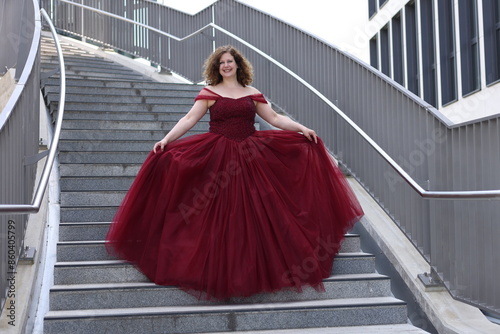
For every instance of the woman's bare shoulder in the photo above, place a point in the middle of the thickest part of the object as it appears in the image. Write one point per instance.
(253, 90)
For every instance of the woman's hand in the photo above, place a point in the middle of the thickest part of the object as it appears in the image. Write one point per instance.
(309, 134)
(160, 145)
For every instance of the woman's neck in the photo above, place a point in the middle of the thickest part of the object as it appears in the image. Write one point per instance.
(230, 83)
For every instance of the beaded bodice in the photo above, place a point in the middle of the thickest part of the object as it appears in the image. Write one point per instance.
(232, 118)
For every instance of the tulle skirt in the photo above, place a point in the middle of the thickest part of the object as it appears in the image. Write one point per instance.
(222, 218)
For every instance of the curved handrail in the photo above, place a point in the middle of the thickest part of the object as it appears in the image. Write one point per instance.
(44, 179)
(475, 194)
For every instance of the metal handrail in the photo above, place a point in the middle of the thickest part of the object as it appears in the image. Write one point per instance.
(465, 195)
(44, 179)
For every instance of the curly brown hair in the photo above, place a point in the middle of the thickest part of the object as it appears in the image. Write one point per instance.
(244, 73)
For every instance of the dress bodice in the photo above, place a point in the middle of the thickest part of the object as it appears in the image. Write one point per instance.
(232, 118)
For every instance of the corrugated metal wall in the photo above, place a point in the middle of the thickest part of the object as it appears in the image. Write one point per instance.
(19, 136)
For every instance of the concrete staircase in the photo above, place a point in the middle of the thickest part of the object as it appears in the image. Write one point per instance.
(113, 116)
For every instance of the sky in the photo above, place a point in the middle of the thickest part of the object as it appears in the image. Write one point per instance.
(322, 18)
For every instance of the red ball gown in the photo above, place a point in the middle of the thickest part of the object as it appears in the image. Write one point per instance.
(235, 211)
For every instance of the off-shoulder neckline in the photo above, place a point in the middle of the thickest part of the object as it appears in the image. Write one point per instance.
(232, 98)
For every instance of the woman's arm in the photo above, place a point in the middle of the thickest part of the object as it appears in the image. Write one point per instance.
(269, 115)
(199, 109)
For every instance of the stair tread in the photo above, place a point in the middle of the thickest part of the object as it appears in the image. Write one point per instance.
(123, 262)
(376, 329)
(134, 285)
(281, 306)
(98, 242)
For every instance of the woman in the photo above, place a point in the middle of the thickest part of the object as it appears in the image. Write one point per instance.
(234, 211)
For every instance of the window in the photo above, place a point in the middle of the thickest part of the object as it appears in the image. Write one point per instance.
(491, 19)
(428, 52)
(397, 49)
(385, 60)
(381, 3)
(372, 7)
(469, 46)
(373, 52)
(411, 48)
(447, 51)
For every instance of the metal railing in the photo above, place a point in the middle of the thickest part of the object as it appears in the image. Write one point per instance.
(44, 179)
(365, 118)
(19, 142)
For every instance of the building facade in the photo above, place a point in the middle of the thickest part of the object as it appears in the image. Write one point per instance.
(445, 51)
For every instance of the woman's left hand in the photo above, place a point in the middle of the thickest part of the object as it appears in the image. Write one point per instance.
(310, 134)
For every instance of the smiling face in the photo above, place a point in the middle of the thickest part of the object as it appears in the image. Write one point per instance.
(227, 65)
(227, 62)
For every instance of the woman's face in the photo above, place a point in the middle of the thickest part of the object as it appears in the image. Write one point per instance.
(227, 65)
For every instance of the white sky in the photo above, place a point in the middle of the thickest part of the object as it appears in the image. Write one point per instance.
(326, 19)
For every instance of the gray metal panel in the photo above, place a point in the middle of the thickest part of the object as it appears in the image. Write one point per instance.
(10, 26)
(19, 137)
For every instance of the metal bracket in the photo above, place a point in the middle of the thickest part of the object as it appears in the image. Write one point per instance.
(431, 280)
(35, 158)
(27, 255)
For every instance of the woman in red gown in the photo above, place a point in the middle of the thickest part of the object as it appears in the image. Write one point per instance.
(235, 211)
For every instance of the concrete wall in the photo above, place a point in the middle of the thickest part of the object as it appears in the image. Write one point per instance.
(7, 85)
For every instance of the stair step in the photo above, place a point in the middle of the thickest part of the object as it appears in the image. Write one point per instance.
(138, 84)
(151, 136)
(102, 157)
(101, 170)
(128, 99)
(380, 329)
(125, 125)
(91, 198)
(96, 231)
(117, 143)
(102, 76)
(89, 74)
(94, 248)
(90, 144)
(52, 61)
(83, 272)
(117, 183)
(219, 318)
(123, 107)
(90, 214)
(87, 231)
(125, 91)
(136, 295)
(127, 116)
(98, 66)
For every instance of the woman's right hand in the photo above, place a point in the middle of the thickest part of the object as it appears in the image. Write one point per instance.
(160, 145)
